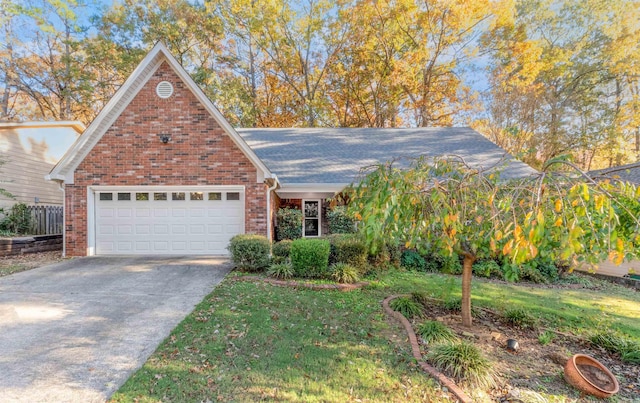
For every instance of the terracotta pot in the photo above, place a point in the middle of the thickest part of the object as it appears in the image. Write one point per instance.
(575, 377)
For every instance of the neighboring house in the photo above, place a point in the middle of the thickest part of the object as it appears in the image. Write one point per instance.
(627, 173)
(29, 151)
(161, 171)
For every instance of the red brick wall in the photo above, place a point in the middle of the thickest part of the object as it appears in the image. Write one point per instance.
(131, 153)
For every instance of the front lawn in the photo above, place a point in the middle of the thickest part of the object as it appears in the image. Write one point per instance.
(252, 341)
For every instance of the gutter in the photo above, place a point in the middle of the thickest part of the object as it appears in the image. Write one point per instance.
(269, 190)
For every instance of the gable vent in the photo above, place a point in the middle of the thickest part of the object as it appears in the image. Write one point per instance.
(164, 89)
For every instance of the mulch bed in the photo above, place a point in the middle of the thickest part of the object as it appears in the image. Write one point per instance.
(534, 368)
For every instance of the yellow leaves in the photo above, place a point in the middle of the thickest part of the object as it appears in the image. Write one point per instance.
(507, 248)
(498, 235)
(517, 232)
(358, 216)
(558, 205)
(558, 222)
(599, 201)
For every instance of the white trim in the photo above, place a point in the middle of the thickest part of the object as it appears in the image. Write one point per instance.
(312, 188)
(118, 103)
(319, 218)
(269, 212)
(91, 200)
(74, 124)
(91, 221)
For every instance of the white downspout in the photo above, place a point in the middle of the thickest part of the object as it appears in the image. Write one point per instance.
(269, 190)
(64, 219)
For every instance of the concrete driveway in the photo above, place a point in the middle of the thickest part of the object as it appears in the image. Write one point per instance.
(76, 330)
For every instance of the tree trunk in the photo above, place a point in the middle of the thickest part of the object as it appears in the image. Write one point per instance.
(467, 265)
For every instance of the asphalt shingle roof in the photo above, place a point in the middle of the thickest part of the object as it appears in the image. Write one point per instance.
(330, 155)
(627, 173)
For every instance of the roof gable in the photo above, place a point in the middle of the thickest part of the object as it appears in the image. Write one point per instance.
(64, 170)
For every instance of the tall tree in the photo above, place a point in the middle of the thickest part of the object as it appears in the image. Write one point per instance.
(572, 67)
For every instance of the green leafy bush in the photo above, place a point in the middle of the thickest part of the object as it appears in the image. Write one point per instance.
(408, 307)
(615, 342)
(433, 331)
(464, 362)
(520, 318)
(250, 252)
(344, 273)
(340, 222)
(486, 268)
(412, 260)
(289, 223)
(283, 271)
(17, 220)
(281, 251)
(310, 257)
(349, 249)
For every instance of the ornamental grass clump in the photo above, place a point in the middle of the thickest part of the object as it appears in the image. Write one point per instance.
(519, 317)
(408, 307)
(432, 331)
(464, 362)
(282, 271)
(344, 273)
(629, 350)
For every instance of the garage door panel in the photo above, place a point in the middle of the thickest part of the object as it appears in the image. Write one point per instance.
(143, 229)
(178, 212)
(143, 212)
(143, 246)
(197, 212)
(172, 225)
(106, 212)
(125, 229)
(160, 212)
(178, 229)
(214, 229)
(196, 229)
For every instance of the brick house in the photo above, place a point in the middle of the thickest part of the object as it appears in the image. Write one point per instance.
(161, 171)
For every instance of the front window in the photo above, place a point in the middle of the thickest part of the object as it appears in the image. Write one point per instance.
(311, 209)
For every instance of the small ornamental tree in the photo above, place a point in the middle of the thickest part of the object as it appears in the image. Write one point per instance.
(443, 205)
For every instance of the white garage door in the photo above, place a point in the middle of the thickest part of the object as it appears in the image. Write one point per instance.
(159, 221)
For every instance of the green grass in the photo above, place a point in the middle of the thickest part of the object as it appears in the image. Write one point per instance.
(253, 341)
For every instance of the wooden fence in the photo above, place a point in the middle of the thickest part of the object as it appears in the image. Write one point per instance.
(46, 220)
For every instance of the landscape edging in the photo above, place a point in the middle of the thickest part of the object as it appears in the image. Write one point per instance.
(415, 348)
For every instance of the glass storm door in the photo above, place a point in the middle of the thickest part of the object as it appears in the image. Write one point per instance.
(311, 209)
